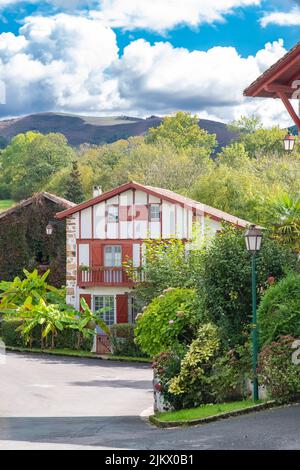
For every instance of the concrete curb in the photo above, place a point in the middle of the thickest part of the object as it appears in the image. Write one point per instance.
(88, 356)
(210, 419)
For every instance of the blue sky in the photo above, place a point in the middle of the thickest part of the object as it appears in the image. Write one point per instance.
(142, 56)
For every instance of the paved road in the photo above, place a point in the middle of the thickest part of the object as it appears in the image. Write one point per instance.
(66, 403)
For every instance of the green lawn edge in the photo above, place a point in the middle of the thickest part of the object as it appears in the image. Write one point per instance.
(154, 419)
(82, 354)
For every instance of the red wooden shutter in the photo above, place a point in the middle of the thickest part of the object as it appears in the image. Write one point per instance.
(122, 308)
(127, 252)
(87, 298)
(96, 254)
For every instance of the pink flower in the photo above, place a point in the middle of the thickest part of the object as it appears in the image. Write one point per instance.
(171, 322)
(158, 387)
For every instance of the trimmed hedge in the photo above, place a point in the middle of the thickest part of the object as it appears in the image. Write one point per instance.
(123, 342)
(67, 339)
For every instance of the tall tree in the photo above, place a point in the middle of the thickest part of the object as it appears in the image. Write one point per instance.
(182, 131)
(74, 190)
(31, 159)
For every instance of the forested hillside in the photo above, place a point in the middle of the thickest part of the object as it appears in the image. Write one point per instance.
(248, 178)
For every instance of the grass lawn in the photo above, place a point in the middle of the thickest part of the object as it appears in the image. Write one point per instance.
(6, 204)
(204, 411)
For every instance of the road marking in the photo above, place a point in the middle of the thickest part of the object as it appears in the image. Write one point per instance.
(41, 385)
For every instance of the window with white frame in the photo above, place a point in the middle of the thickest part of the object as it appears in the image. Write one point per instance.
(113, 256)
(112, 214)
(104, 306)
(155, 212)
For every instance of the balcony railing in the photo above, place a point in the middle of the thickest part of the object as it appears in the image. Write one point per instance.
(107, 277)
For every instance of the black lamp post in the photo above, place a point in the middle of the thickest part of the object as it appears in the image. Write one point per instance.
(289, 142)
(253, 238)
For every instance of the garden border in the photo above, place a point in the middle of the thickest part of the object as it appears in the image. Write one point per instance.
(193, 422)
(79, 355)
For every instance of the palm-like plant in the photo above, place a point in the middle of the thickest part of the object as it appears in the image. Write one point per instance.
(286, 220)
(14, 293)
(49, 317)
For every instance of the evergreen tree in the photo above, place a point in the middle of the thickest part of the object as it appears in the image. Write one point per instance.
(74, 190)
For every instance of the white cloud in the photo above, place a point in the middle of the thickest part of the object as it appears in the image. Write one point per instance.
(72, 64)
(280, 18)
(162, 15)
(165, 78)
(156, 15)
(57, 62)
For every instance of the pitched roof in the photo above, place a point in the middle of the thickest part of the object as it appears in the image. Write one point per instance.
(282, 73)
(161, 193)
(51, 197)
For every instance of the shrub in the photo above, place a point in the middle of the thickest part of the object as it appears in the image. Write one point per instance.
(66, 339)
(229, 372)
(166, 365)
(277, 371)
(123, 341)
(226, 280)
(192, 383)
(168, 321)
(279, 311)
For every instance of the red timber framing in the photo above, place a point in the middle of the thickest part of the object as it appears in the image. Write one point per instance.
(163, 195)
(99, 275)
(282, 81)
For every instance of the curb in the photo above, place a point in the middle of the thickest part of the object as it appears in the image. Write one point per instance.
(88, 356)
(210, 419)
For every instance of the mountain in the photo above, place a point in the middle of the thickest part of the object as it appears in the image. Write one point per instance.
(96, 130)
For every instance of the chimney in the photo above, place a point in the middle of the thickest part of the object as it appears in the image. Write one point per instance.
(97, 191)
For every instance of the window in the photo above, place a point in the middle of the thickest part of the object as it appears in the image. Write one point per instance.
(104, 305)
(113, 256)
(113, 214)
(155, 212)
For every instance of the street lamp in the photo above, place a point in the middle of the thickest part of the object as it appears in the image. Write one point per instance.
(253, 239)
(51, 225)
(289, 142)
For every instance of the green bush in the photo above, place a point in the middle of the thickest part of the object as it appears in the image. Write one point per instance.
(192, 383)
(279, 310)
(122, 340)
(166, 366)
(229, 373)
(168, 322)
(66, 339)
(226, 280)
(277, 371)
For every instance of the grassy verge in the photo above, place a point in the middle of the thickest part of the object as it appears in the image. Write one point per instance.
(76, 353)
(208, 413)
(204, 411)
(128, 358)
(6, 204)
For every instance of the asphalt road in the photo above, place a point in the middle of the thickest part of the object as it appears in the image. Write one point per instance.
(69, 403)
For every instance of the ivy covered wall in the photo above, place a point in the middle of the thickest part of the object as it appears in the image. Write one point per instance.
(25, 244)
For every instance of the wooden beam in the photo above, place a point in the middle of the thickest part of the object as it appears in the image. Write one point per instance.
(274, 87)
(277, 74)
(289, 109)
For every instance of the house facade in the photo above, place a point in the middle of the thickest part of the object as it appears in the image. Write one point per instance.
(111, 228)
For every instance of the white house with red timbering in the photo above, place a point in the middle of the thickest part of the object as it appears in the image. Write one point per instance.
(105, 231)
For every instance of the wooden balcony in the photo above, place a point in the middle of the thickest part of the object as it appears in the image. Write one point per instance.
(89, 277)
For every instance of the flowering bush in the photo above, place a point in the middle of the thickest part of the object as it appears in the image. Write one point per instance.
(192, 383)
(229, 372)
(277, 371)
(169, 321)
(166, 365)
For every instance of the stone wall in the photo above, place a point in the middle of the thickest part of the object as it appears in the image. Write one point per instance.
(71, 278)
